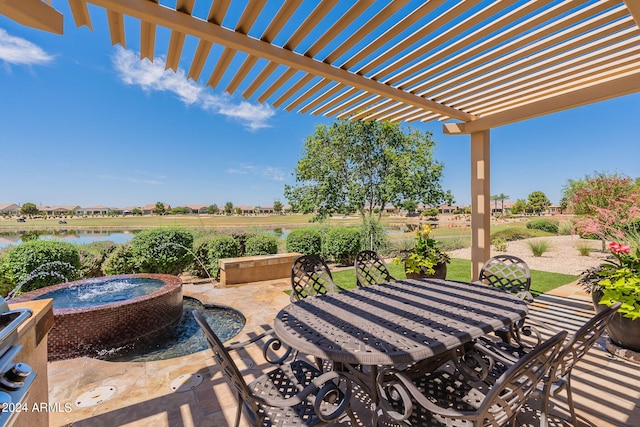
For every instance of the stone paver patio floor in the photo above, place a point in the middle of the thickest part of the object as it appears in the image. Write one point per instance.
(606, 389)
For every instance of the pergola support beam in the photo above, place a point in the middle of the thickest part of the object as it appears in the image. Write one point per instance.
(33, 13)
(613, 88)
(480, 203)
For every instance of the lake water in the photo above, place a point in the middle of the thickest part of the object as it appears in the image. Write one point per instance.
(71, 236)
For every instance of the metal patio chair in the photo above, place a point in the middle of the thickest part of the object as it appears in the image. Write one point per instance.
(443, 398)
(310, 276)
(293, 394)
(371, 269)
(572, 352)
(508, 273)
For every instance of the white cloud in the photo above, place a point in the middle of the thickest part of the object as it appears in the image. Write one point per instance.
(268, 172)
(153, 76)
(16, 50)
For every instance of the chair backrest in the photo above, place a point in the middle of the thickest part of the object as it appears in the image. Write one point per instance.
(580, 343)
(227, 365)
(513, 388)
(507, 272)
(310, 276)
(371, 269)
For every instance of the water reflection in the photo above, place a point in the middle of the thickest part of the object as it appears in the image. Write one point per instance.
(72, 236)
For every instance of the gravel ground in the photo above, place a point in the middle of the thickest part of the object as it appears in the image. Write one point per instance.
(562, 256)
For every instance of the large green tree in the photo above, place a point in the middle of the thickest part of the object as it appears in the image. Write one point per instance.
(29, 209)
(538, 201)
(356, 166)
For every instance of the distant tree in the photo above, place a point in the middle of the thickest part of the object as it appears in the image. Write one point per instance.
(29, 209)
(410, 205)
(277, 207)
(502, 197)
(179, 210)
(238, 211)
(431, 212)
(213, 209)
(159, 209)
(538, 201)
(519, 207)
(228, 208)
(448, 198)
(356, 166)
(587, 194)
(136, 211)
(495, 199)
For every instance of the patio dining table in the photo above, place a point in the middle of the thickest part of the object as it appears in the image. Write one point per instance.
(395, 323)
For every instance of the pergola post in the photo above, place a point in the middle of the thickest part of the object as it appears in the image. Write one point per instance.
(480, 203)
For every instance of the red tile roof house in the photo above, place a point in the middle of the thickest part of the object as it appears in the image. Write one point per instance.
(196, 209)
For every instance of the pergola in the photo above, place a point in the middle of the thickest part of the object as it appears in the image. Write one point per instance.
(473, 64)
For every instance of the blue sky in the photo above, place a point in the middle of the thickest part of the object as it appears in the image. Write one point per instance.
(82, 122)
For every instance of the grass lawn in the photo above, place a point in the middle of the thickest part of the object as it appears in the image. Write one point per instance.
(460, 269)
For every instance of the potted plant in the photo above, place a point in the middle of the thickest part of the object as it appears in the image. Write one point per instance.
(426, 259)
(618, 280)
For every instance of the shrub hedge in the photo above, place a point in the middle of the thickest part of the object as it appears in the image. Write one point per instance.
(261, 244)
(221, 247)
(41, 263)
(342, 244)
(549, 225)
(511, 234)
(307, 241)
(162, 250)
(120, 261)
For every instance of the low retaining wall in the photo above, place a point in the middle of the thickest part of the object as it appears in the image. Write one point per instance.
(256, 268)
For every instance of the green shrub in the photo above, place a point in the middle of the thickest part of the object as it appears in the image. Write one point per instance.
(373, 235)
(201, 256)
(538, 247)
(92, 256)
(261, 244)
(221, 247)
(549, 225)
(584, 248)
(500, 244)
(511, 234)
(342, 244)
(41, 263)
(162, 250)
(241, 237)
(120, 261)
(307, 241)
(565, 228)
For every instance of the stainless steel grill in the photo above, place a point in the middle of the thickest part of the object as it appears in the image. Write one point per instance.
(15, 377)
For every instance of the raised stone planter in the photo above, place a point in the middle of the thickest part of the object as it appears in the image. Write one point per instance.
(256, 268)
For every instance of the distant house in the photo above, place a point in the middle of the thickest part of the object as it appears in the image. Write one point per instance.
(196, 209)
(448, 209)
(97, 210)
(150, 209)
(59, 210)
(496, 207)
(246, 210)
(9, 209)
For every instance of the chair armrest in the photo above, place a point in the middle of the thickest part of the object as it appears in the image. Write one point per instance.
(324, 388)
(398, 387)
(273, 344)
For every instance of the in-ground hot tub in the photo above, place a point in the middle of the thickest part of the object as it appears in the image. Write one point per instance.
(97, 315)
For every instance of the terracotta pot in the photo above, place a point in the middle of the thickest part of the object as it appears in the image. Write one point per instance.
(440, 273)
(622, 330)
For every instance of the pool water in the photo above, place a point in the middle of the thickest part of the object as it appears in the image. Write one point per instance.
(100, 291)
(186, 338)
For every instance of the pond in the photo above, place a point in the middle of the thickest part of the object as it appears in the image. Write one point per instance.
(8, 238)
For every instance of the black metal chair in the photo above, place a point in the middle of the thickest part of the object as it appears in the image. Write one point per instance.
(572, 352)
(294, 394)
(371, 269)
(508, 273)
(310, 276)
(442, 398)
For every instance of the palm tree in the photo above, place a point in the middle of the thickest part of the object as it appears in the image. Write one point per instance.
(502, 197)
(495, 202)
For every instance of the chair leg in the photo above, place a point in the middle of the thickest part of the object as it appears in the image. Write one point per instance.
(570, 402)
(239, 410)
